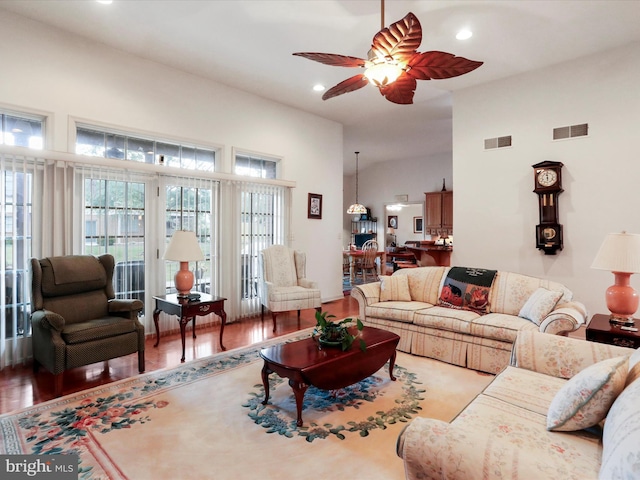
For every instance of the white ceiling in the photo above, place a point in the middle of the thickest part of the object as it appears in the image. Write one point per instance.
(248, 44)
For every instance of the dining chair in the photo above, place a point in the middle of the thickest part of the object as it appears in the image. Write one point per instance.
(367, 263)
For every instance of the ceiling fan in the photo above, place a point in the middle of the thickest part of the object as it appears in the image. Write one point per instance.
(393, 63)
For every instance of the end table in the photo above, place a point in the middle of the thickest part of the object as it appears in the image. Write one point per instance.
(600, 330)
(188, 310)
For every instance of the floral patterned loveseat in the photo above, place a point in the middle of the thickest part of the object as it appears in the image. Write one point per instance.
(470, 326)
(540, 418)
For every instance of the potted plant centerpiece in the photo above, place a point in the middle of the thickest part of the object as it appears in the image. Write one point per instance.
(337, 334)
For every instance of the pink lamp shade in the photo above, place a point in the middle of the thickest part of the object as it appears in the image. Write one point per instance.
(184, 248)
(620, 254)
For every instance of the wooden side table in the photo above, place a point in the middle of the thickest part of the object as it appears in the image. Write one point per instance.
(600, 330)
(187, 310)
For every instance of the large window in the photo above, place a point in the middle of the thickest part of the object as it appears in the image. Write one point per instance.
(261, 225)
(191, 208)
(16, 204)
(109, 144)
(16, 210)
(114, 222)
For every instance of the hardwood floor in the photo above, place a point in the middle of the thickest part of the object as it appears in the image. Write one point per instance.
(20, 387)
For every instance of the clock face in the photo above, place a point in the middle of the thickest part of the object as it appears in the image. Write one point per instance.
(549, 233)
(547, 178)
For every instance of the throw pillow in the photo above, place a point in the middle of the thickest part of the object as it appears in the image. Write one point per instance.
(394, 288)
(539, 305)
(585, 399)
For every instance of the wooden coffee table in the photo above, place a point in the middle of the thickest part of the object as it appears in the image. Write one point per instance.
(304, 363)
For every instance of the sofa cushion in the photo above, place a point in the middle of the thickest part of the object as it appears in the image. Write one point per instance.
(510, 384)
(634, 367)
(96, 329)
(539, 305)
(394, 288)
(499, 326)
(398, 311)
(424, 282)
(445, 318)
(494, 439)
(586, 398)
(511, 291)
(621, 436)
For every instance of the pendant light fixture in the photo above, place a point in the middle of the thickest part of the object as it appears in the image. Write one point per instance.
(356, 208)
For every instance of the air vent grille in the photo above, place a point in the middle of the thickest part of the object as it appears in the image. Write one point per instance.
(498, 142)
(571, 131)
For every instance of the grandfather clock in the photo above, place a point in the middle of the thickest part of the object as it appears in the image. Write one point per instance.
(548, 185)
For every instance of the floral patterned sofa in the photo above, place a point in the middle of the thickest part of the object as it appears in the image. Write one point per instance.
(464, 324)
(540, 418)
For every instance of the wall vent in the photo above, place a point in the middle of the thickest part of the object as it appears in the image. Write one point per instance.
(571, 131)
(498, 142)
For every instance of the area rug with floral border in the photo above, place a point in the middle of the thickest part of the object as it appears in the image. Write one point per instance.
(205, 419)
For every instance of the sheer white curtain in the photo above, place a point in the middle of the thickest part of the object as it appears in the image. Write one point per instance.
(260, 219)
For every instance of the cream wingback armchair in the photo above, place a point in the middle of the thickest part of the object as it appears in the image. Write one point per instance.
(76, 319)
(283, 286)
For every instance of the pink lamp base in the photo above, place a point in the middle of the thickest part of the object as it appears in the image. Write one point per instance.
(622, 300)
(184, 279)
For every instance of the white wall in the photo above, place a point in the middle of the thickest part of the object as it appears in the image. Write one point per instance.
(379, 184)
(48, 70)
(495, 211)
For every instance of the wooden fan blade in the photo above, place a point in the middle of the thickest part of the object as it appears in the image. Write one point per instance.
(439, 65)
(400, 40)
(332, 59)
(349, 85)
(401, 91)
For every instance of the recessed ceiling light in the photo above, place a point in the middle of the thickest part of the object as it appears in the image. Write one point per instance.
(464, 34)
(318, 88)
(105, 2)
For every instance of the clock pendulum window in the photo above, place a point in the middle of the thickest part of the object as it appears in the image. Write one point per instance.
(548, 185)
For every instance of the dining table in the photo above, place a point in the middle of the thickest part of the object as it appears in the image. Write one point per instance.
(352, 255)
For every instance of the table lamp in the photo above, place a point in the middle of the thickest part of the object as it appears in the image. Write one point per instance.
(183, 247)
(620, 253)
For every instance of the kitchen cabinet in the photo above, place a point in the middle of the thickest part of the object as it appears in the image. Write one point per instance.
(439, 213)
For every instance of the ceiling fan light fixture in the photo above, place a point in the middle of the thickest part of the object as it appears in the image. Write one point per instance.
(394, 64)
(384, 73)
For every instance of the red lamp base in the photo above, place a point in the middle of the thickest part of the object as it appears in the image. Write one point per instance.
(622, 300)
(184, 280)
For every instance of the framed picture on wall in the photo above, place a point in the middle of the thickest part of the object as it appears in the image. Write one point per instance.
(315, 206)
(392, 221)
(417, 224)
